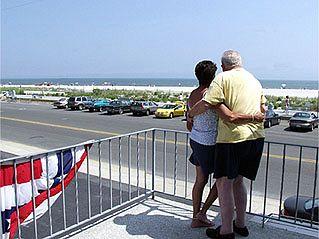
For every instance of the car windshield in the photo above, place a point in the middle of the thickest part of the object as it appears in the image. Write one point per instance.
(114, 103)
(136, 103)
(308, 204)
(269, 113)
(302, 115)
(72, 99)
(62, 99)
(168, 106)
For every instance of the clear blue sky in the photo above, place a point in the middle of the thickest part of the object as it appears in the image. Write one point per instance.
(145, 38)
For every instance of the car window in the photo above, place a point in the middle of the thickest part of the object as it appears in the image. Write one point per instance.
(150, 103)
(78, 98)
(269, 113)
(84, 99)
(308, 204)
(72, 99)
(145, 104)
(115, 103)
(168, 106)
(302, 115)
(178, 107)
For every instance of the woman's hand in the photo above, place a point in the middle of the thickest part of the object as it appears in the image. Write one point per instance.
(189, 118)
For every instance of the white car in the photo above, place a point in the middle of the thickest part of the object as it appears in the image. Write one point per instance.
(61, 103)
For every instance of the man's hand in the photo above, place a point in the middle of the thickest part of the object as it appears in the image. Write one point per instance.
(259, 117)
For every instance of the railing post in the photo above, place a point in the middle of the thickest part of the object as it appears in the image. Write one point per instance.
(153, 163)
(1, 232)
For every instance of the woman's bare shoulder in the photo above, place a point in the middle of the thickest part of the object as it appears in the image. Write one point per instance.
(196, 95)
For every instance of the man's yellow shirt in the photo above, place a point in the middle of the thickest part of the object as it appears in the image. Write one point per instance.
(242, 93)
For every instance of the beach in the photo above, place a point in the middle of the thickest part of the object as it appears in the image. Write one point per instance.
(303, 93)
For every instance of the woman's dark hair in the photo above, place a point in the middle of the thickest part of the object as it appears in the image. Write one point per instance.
(205, 72)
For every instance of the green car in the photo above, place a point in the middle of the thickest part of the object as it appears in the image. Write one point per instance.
(99, 105)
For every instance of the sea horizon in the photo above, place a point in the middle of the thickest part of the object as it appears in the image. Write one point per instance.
(153, 81)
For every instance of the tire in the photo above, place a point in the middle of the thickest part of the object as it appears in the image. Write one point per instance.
(268, 124)
(134, 113)
(312, 127)
(147, 112)
(121, 111)
(91, 110)
(81, 107)
(100, 109)
(171, 115)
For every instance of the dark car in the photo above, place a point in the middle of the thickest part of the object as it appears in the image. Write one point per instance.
(303, 120)
(78, 102)
(117, 106)
(61, 103)
(271, 118)
(143, 107)
(305, 206)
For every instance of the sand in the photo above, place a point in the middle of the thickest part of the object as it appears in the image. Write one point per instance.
(304, 93)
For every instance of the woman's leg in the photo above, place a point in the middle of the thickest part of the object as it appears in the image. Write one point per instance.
(197, 193)
(212, 196)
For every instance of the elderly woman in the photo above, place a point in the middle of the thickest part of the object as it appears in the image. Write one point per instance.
(203, 134)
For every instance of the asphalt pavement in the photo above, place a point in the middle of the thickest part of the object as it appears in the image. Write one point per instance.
(42, 126)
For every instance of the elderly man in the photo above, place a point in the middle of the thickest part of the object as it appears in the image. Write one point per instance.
(239, 146)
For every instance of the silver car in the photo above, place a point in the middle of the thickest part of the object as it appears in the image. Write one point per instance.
(303, 120)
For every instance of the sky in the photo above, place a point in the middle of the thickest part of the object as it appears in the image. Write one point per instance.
(143, 38)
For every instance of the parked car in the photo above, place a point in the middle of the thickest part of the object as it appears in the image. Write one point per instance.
(170, 111)
(61, 103)
(304, 207)
(143, 107)
(89, 103)
(303, 120)
(117, 106)
(78, 102)
(99, 104)
(271, 118)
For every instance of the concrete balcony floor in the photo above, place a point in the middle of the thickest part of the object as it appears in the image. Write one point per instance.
(164, 218)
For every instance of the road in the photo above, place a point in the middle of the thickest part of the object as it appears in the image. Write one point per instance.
(42, 126)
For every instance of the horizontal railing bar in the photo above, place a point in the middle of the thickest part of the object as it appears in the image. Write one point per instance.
(28, 156)
(125, 135)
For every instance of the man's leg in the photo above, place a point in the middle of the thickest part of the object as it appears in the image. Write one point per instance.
(240, 197)
(198, 189)
(226, 202)
(212, 196)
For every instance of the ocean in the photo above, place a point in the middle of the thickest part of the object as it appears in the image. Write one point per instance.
(266, 83)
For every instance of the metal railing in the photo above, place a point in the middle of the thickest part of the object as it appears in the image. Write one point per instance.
(125, 169)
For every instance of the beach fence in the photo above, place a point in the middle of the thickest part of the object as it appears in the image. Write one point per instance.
(62, 191)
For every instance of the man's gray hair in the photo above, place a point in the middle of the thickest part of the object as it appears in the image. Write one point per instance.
(231, 58)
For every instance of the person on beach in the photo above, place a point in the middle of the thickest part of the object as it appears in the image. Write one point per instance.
(203, 134)
(287, 103)
(239, 146)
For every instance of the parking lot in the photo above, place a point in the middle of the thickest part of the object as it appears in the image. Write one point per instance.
(48, 127)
